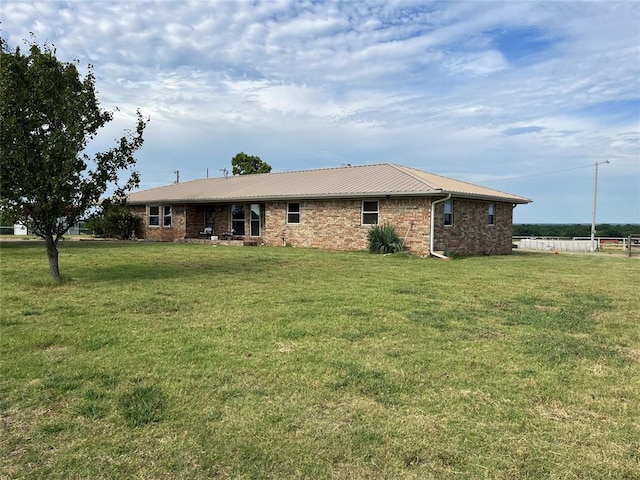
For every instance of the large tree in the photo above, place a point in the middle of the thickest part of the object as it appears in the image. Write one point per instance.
(244, 164)
(48, 115)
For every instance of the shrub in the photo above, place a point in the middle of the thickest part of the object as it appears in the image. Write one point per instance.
(384, 239)
(115, 221)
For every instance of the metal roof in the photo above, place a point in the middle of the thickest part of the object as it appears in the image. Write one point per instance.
(343, 182)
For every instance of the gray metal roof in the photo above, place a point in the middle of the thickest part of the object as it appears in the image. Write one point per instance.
(343, 182)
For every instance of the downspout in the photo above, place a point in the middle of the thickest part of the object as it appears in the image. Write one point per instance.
(433, 226)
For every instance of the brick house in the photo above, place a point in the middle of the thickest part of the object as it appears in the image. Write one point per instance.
(333, 208)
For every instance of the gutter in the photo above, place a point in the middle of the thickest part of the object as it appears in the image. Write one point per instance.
(433, 225)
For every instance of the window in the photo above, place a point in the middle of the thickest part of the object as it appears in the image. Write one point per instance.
(293, 213)
(166, 216)
(237, 219)
(157, 211)
(154, 216)
(255, 220)
(491, 214)
(448, 213)
(370, 212)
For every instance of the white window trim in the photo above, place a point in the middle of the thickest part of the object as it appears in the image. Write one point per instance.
(363, 212)
(159, 216)
(243, 220)
(165, 216)
(294, 213)
(444, 219)
(491, 215)
(252, 220)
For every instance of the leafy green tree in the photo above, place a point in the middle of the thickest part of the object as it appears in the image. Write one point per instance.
(5, 218)
(244, 164)
(48, 114)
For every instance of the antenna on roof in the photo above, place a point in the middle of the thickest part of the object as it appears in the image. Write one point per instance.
(225, 172)
(177, 172)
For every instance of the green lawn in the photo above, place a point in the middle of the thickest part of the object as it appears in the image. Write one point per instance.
(193, 361)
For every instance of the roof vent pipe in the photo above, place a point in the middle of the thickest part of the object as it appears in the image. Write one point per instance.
(433, 224)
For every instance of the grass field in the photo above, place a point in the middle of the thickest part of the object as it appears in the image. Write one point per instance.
(193, 361)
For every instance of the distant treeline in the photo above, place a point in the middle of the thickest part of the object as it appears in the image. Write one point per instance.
(578, 230)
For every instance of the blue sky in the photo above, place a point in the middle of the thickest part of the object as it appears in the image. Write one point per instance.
(521, 96)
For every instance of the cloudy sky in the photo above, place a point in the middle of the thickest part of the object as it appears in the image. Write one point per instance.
(521, 96)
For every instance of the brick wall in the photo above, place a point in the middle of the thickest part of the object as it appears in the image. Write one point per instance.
(222, 219)
(194, 221)
(337, 224)
(177, 230)
(470, 233)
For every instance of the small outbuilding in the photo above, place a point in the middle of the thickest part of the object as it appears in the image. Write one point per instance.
(20, 229)
(333, 208)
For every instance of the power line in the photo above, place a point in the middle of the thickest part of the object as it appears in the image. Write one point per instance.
(538, 174)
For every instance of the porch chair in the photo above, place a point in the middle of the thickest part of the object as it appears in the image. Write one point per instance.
(207, 232)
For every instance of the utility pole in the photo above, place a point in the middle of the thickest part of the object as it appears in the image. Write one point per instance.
(595, 198)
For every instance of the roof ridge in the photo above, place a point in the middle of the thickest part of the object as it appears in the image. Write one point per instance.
(341, 167)
(404, 170)
(302, 170)
(473, 184)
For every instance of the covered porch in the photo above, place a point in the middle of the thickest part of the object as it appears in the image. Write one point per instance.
(228, 222)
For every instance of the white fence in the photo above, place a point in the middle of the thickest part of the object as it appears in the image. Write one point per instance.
(21, 230)
(577, 244)
(549, 245)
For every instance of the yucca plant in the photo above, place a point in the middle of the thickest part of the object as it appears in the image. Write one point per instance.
(384, 239)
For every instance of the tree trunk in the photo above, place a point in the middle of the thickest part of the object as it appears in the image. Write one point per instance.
(52, 254)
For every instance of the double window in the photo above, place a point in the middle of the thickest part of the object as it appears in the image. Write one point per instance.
(154, 216)
(370, 212)
(491, 214)
(293, 213)
(448, 213)
(157, 211)
(239, 221)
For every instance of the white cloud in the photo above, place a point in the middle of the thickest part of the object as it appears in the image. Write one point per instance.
(306, 84)
(478, 64)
